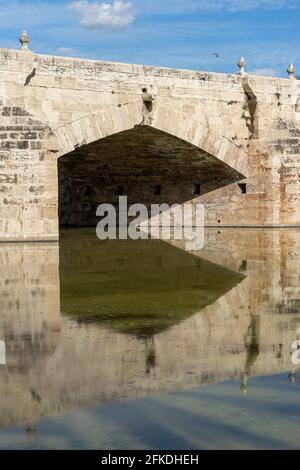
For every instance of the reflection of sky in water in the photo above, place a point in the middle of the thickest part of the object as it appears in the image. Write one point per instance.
(214, 416)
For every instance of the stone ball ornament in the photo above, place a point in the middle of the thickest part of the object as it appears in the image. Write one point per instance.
(24, 40)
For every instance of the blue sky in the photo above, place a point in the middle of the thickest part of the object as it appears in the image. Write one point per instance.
(175, 33)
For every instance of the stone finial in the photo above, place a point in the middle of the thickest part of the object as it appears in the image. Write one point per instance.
(242, 65)
(24, 40)
(291, 71)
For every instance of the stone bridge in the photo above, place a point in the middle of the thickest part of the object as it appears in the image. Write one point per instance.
(75, 133)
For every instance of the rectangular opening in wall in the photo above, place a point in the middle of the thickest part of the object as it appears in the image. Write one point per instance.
(120, 191)
(243, 188)
(197, 189)
(157, 190)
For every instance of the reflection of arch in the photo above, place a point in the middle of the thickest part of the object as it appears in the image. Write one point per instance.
(93, 127)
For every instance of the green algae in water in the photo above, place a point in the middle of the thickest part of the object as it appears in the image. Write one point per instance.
(139, 287)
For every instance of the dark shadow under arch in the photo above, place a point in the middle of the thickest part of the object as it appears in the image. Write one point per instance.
(147, 165)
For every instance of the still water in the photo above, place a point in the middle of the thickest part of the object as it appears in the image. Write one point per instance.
(142, 345)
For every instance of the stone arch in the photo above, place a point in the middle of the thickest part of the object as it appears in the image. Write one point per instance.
(198, 133)
(95, 126)
(113, 120)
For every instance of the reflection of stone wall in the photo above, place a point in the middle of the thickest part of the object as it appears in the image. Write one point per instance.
(29, 292)
(70, 365)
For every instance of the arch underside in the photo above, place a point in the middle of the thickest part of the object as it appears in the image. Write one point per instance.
(148, 165)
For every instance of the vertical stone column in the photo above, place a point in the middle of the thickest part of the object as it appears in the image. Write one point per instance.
(28, 178)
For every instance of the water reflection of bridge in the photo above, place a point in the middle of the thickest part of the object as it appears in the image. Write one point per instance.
(54, 363)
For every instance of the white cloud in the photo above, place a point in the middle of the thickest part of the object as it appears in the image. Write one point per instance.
(102, 15)
(65, 50)
(265, 71)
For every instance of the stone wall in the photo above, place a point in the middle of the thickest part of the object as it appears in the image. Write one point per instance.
(273, 190)
(28, 178)
(247, 123)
